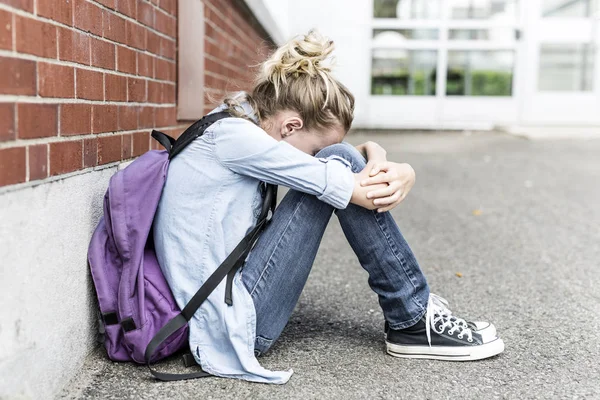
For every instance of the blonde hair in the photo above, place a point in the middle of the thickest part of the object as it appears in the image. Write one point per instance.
(297, 77)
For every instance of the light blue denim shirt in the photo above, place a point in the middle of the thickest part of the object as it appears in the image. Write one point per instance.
(211, 199)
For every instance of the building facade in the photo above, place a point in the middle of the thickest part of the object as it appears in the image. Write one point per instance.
(461, 64)
(83, 83)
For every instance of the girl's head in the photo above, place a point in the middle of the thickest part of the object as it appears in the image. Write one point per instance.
(296, 98)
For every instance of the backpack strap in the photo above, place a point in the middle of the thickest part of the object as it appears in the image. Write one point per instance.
(233, 261)
(195, 130)
(164, 139)
(227, 268)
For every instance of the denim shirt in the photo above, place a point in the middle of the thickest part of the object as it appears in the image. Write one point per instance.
(211, 199)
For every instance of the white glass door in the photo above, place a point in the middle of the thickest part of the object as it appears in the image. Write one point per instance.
(444, 63)
(480, 63)
(563, 69)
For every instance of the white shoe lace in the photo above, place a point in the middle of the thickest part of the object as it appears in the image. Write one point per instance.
(439, 317)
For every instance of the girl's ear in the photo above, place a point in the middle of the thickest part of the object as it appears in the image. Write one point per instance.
(290, 126)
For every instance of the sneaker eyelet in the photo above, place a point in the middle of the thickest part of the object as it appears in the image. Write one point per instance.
(460, 336)
(470, 340)
(450, 333)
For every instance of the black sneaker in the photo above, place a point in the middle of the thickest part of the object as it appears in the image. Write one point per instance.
(440, 336)
(486, 329)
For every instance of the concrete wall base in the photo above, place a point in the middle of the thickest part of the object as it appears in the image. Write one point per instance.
(47, 319)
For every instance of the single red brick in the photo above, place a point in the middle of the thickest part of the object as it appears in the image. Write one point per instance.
(115, 87)
(73, 46)
(7, 122)
(169, 6)
(6, 28)
(128, 118)
(162, 69)
(88, 17)
(107, 3)
(103, 54)
(104, 118)
(145, 13)
(146, 117)
(38, 162)
(57, 10)
(90, 84)
(113, 27)
(153, 42)
(65, 157)
(17, 77)
(36, 120)
(56, 80)
(126, 60)
(168, 93)
(109, 149)
(136, 35)
(165, 24)
(26, 5)
(35, 37)
(145, 65)
(127, 7)
(126, 147)
(12, 166)
(141, 143)
(90, 152)
(165, 116)
(75, 119)
(154, 92)
(167, 48)
(136, 89)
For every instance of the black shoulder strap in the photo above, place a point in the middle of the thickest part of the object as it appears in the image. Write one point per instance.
(227, 268)
(195, 130)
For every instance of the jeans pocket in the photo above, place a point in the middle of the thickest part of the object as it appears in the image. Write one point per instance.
(261, 345)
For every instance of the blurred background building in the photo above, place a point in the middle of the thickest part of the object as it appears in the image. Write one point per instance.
(464, 63)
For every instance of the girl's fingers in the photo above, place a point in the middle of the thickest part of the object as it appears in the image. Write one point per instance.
(379, 178)
(391, 206)
(378, 167)
(384, 201)
(385, 192)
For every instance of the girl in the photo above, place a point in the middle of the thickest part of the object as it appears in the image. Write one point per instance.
(289, 131)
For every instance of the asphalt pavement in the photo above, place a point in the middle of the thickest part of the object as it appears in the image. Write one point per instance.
(506, 229)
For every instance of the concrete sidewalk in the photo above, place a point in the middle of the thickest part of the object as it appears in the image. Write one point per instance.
(506, 229)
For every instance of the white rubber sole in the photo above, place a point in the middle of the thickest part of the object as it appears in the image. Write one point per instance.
(447, 353)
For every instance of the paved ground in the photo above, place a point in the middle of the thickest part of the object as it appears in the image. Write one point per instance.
(520, 221)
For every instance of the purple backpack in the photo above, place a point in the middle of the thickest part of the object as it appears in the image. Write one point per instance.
(140, 319)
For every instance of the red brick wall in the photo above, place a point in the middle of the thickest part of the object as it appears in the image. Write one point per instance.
(233, 42)
(84, 82)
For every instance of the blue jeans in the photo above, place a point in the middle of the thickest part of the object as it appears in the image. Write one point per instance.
(277, 268)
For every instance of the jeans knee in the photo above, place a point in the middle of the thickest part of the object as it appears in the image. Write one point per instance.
(346, 151)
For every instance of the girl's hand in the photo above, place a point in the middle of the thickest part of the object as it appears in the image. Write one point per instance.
(400, 178)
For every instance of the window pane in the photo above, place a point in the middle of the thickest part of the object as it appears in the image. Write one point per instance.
(406, 9)
(566, 67)
(483, 9)
(498, 33)
(568, 8)
(399, 35)
(480, 73)
(404, 72)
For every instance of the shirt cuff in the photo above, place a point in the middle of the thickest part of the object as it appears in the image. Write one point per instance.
(340, 182)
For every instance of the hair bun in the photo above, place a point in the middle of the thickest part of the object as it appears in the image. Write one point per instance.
(305, 54)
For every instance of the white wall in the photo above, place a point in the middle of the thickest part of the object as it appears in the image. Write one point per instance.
(47, 306)
(347, 23)
(273, 16)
